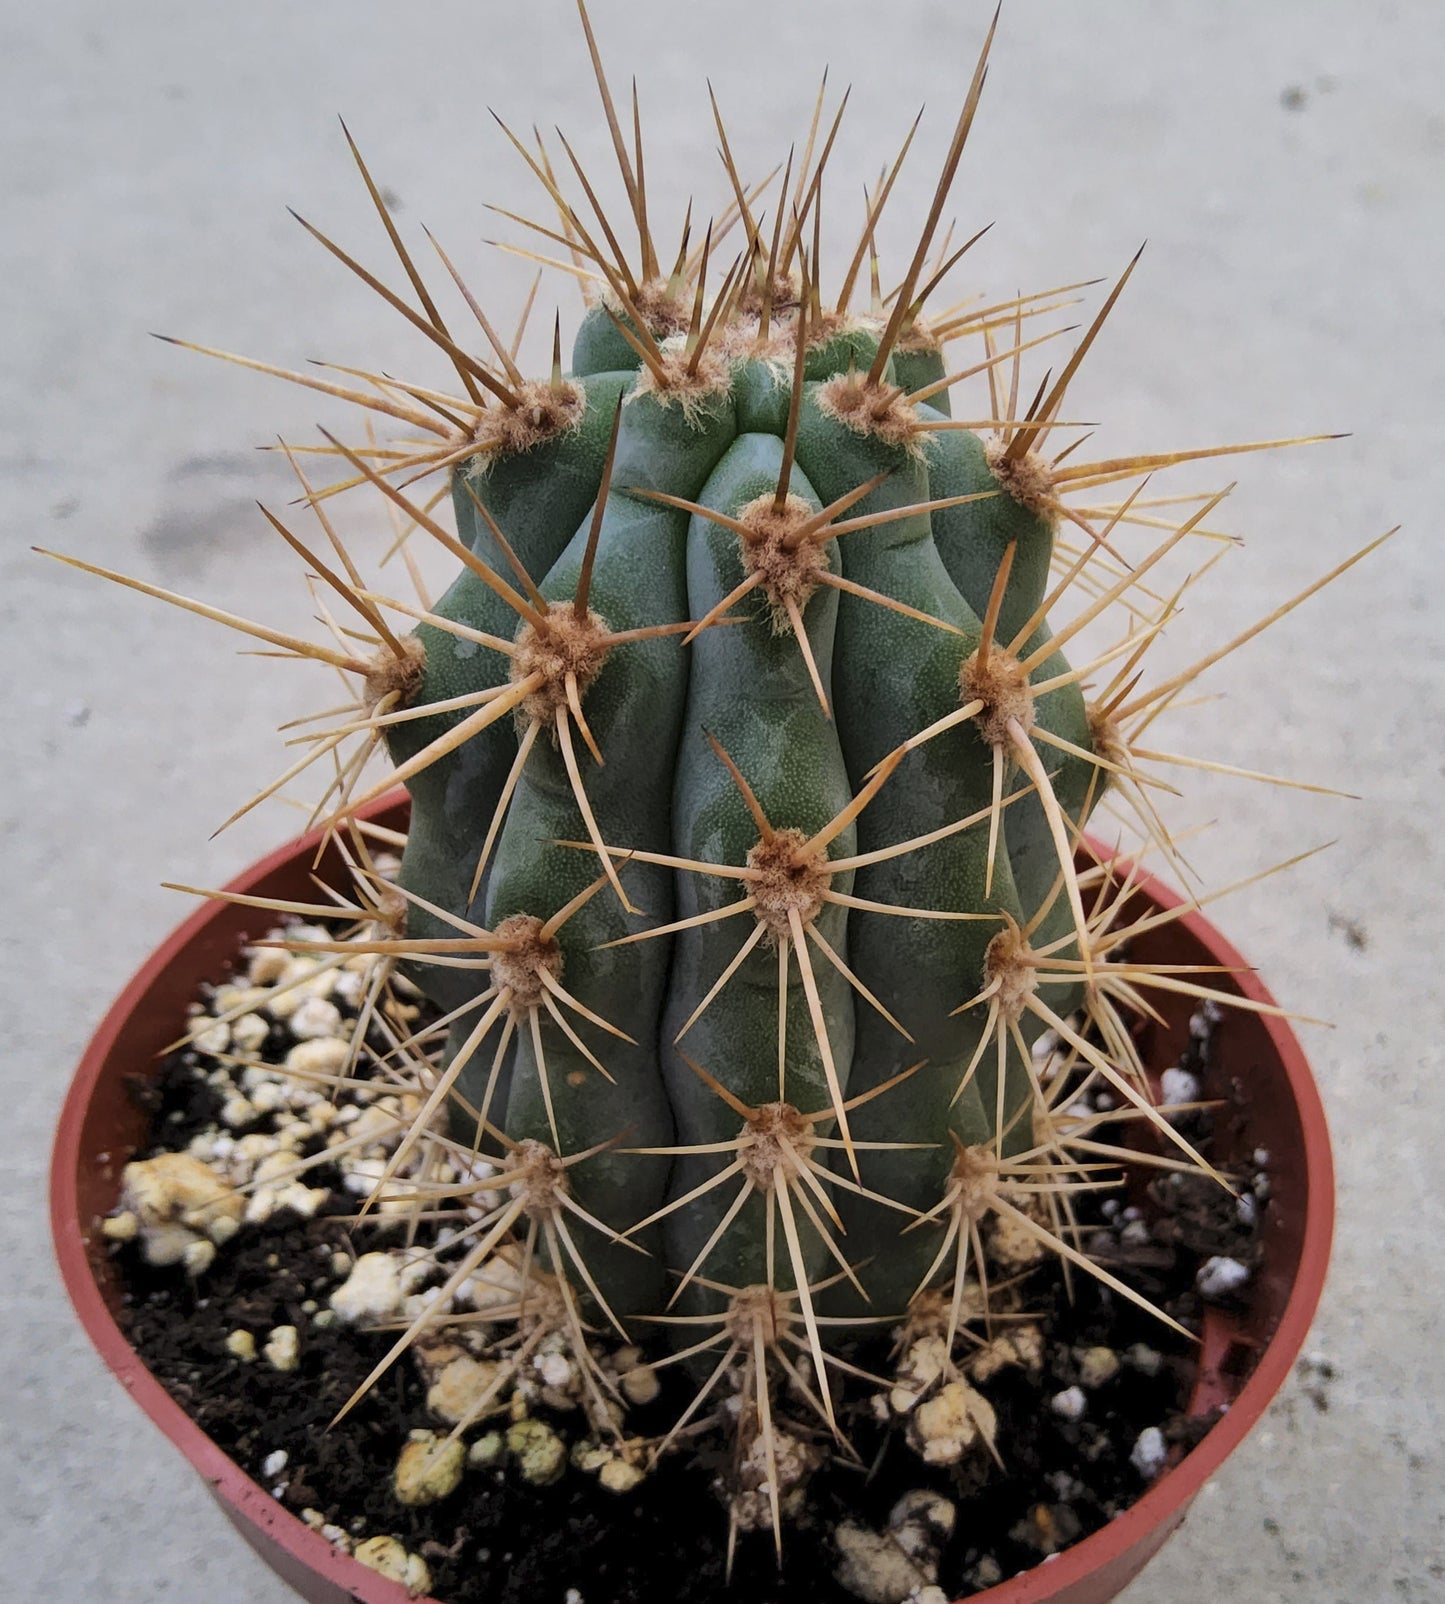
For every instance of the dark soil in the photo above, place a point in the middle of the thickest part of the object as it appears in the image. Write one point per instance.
(499, 1540)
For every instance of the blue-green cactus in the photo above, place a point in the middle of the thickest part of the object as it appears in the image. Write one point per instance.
(748, 773)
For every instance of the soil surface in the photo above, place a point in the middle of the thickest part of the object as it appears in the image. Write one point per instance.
(1065, 1471)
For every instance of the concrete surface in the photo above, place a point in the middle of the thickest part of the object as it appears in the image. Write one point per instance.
(1287, 164)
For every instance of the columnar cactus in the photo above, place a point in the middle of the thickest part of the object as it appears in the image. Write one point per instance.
(748, 772)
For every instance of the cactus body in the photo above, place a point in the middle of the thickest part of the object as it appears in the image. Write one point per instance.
(661, 713)
(747, 771)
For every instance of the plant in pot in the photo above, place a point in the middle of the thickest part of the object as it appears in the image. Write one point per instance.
(747, 1123)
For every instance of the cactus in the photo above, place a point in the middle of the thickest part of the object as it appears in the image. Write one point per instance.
(748, 771)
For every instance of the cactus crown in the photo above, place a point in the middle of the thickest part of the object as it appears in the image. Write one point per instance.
(748, 775)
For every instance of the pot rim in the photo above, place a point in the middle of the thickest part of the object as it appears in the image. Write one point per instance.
(1159, 1507)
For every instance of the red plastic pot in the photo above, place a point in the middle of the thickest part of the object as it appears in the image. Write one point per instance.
(1243, 1362)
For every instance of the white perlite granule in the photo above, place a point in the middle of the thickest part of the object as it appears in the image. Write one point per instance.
(1149, 1453)
(1219, 1277)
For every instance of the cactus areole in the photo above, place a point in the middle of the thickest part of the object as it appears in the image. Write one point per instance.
(749, 750)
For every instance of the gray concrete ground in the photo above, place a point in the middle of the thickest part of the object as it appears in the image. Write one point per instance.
(1287, 164)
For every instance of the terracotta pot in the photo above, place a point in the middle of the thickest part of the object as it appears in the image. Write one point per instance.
(100, 1126)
